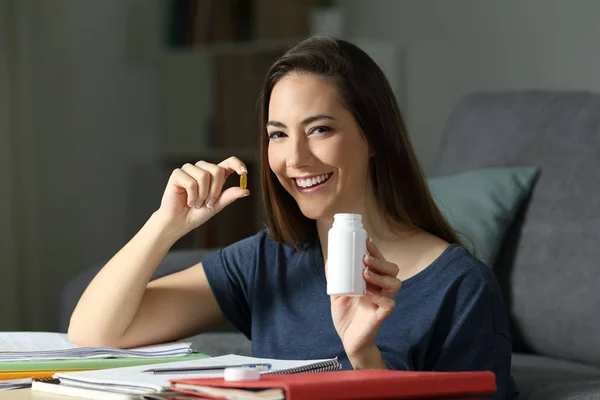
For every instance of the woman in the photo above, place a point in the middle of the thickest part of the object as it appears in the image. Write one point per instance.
(332, 140)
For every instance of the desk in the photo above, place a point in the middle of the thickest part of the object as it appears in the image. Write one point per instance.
(28, 394)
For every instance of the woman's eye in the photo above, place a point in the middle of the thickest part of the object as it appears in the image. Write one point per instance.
(276, 135)
(320, 130)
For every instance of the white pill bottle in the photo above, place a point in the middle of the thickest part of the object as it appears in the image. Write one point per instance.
(346, 248)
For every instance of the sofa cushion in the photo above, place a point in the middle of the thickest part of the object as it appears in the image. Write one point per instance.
(543, 378)
(221, 343)
(553, 275)
(482, 204)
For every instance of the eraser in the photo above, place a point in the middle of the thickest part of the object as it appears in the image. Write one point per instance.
(241, 374)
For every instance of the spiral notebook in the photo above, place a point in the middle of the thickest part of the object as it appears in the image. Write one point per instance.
(317, 366)
(133, 380)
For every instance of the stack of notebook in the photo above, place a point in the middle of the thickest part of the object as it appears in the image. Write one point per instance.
(153, 374)
(14, 384)
(26, 355)
(149, 379)
(284, 379)
(38, 346)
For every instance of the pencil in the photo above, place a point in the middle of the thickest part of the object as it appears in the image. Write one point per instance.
(176, 370)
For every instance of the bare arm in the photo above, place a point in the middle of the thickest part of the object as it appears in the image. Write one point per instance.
(121, 308)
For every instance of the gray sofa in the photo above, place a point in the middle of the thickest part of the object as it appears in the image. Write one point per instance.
(549, 265)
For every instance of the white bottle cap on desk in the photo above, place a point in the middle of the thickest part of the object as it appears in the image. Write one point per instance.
(241, 374)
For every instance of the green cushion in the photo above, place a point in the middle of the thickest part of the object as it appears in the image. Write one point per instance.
(482, 204)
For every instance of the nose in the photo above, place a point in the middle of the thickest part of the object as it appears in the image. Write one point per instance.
(298, 152)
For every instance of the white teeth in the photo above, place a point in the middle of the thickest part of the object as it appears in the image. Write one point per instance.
(312, 181)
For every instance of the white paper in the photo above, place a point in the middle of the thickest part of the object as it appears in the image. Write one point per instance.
(24, 346)
(132, 380)
(45, 387)
(33, 341)
(15, 384)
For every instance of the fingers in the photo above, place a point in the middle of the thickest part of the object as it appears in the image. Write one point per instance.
(372, 289)
(229, 196)
(380, 273)
(217, 179)
(202, 179)
(188, 184)
(385, 304)
(233, 164)
(381, 266)
(374, 250)
(204, 182)
(389, 284)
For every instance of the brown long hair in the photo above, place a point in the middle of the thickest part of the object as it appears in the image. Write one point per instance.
(397, 180)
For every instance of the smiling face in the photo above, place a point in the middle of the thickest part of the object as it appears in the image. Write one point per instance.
(316, 148)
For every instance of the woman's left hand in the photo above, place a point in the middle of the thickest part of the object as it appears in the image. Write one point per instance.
(357, 319)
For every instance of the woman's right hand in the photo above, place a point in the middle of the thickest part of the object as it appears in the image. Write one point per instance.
(194, 194)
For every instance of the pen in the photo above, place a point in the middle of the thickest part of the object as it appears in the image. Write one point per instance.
(175, 370)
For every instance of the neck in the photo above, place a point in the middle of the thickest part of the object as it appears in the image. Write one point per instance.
(375, 223)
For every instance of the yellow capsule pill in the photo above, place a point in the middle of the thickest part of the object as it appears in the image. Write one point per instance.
(243, 181)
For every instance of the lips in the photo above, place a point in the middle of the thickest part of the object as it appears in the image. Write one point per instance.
(313, 181)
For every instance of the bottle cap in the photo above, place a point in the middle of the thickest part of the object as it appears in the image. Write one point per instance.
(241, 374)
(348, 216)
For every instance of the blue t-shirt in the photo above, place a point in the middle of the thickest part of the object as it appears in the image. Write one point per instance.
(448, 317)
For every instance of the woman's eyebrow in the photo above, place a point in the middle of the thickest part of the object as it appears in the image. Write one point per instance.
(306, 121)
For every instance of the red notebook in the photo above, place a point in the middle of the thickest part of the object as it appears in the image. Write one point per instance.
(362, 384)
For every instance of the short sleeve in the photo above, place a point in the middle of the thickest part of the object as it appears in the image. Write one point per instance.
(484, 353)
(478, 339)
(230, 273)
